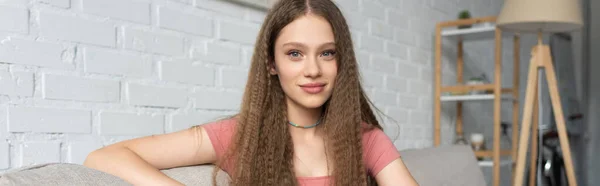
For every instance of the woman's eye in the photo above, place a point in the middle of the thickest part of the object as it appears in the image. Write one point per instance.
(328, 54)
(294, 54)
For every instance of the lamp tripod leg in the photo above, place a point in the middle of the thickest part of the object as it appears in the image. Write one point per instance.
(559, 117)
(526, 122)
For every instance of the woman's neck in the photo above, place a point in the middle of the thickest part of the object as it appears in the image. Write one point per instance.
(303, 117)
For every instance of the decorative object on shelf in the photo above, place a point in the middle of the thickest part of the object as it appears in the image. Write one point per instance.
(540, 16)
(479, 80)
(476, 81)
(477, 141)
(460, 140)
(465, 14)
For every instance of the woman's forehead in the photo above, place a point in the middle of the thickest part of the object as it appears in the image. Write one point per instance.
(309, 30)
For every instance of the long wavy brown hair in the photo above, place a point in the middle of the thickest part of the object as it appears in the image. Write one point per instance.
(262, 147)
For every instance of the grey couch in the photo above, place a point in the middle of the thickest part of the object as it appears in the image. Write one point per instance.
(444, 166)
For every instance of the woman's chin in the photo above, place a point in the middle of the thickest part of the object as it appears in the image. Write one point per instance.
(313, 104)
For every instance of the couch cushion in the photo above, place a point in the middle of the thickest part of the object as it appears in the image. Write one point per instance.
(55, 174)
(58, 174)
(444, 165)
(197, 175)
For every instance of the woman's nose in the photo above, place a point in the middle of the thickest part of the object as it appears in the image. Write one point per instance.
(312, 68)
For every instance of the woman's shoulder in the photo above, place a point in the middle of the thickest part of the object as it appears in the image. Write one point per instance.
(226, 124)
(373, 135)
(369, 130)
(220, 133)
(378, 149)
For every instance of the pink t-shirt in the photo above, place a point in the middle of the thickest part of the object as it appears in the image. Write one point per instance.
(378, 149)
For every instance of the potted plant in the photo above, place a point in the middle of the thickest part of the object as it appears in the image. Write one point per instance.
(465, 14)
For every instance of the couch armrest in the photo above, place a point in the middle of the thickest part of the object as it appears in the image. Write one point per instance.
(444, 165)
(58, 174)
(55, 174)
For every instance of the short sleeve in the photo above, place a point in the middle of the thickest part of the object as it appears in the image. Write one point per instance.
(220, 134)
(379, 150)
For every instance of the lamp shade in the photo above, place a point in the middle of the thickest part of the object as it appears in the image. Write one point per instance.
(540, 15)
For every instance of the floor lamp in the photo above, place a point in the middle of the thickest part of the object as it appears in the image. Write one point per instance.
(541, 16)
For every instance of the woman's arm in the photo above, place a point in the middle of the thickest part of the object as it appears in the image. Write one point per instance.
(139, 160)
(395, 173)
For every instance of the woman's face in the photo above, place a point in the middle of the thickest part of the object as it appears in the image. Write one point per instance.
(305, 61)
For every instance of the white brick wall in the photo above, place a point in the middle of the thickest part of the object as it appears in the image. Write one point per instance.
(78, 150)
(112, 123)
(79, 74)
(176, 20)
(113, 62)
(128, 10)
(76, 29)
(221, 53)
(373, 9)
(150, 95)
(218, 99)
(80, 89)
(16, 83)
(48, 120)
(4, 155)
(47, 54)
(40, 152)
(381, 29)
(187, 72)
(230, 31)
(153, 42)
(234, 78)
(58, 3)
(14, 19)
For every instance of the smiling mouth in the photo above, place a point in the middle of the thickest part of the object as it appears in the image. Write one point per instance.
(313, 88)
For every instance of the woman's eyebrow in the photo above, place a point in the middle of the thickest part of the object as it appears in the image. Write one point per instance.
(303, 46)
(294, 44)
(328, 44)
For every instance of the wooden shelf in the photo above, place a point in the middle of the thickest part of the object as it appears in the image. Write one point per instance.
(482, 28)
(476, 32)
(473, 97)
(490, 163)
(489, 153)
(468, 88)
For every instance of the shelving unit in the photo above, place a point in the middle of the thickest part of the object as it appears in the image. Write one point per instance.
(483, 28)
(476, 97)
(487, 163)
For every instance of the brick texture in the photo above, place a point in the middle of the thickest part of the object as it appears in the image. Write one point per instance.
(14, 19)
(148, 95)
(112, 62)
(16, 83)
(112, 123)
(50, 120)
(82, 89)
(75, 29)
(135, 11)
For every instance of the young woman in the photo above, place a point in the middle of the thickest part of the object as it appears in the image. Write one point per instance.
(304, 118)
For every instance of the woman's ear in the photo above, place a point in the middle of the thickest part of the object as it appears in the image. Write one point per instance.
(272, 67)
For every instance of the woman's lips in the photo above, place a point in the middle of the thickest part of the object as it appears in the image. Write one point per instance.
(313, 88)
